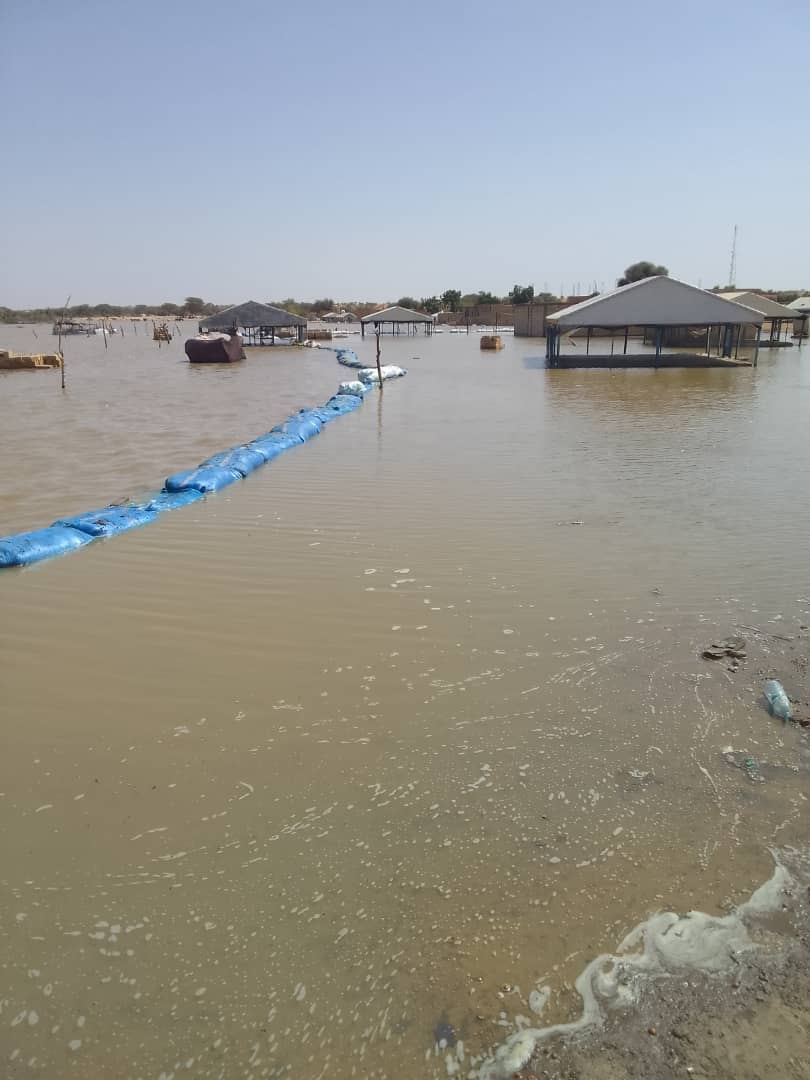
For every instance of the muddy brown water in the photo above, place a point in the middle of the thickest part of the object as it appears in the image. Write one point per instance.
(335, 767)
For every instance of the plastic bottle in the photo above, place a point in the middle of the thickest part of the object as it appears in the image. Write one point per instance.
(778, 701)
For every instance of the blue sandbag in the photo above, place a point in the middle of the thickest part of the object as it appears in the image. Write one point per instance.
(343, 403)
(109, 521)
(244, 459)
(348, 357)
(273, 443)
(172, 500)
(303, 426)
(30, 547)
(204, 479)
(323, 414)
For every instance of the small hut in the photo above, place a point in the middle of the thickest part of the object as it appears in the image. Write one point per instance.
(259, 324)
(399, 320)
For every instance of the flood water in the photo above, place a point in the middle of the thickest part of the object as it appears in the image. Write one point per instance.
(322, 775)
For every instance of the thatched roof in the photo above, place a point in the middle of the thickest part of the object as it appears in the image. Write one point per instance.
(396, 314)
(251, 314)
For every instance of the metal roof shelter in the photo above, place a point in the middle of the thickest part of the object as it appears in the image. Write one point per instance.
(776, 314)
(801, 312)
(655, 303)
(397, 317)
(259, 322)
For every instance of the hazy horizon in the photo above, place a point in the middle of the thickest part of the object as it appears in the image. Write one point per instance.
(362, 153)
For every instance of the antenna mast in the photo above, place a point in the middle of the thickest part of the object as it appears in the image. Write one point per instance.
(732, 270)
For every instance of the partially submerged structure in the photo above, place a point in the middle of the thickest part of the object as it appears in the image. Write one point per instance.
(339, 316)
(653, 305)
(259, 324)
(399, 320)
(14, 361)
(801, 314)
(777, 316)
(215, 349)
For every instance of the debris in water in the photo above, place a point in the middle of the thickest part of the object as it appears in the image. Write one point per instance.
(778, 701)
(739, 759)
(732, 646)
(444, 1033)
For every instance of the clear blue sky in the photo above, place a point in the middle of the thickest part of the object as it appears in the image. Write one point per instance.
(368, 150)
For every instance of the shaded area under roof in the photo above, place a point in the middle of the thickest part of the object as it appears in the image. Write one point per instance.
(656, 301)
(769, 308)
(397, 314)
(251, 313)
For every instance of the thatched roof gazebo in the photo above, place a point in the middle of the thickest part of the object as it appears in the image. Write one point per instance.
(396, 317)
(259, 324)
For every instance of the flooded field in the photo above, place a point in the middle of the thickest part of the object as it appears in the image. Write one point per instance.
(341, 772)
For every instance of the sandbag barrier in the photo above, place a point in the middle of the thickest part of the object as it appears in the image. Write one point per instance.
(180, 489)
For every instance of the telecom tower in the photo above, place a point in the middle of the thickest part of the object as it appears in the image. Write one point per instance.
(732, 270)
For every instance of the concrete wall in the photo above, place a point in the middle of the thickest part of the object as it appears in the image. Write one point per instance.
(530, 319)
(479, 315)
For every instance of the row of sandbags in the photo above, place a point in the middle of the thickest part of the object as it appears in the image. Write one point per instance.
(366, 376)
(182, 488)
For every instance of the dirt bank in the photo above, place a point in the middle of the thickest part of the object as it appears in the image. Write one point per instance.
(753, 1025)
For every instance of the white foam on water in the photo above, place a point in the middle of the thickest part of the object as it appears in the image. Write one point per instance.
(664, 944)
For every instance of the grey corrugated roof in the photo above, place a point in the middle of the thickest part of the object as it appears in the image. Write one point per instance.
(655, 301)
(251, 313)
(396, 314)
(769, 308)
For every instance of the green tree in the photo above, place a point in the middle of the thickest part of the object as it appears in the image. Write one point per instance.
(431, 305)
(485, 297)
(408, 302)
(451, 298)
(640, 270)
(170, 309)
(326, 304)
(194, 305)
(290, 304)
(521, 294)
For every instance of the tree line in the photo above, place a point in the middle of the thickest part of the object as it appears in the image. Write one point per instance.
(452, 300)
(193, 305)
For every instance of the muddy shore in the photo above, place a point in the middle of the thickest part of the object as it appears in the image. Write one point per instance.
(753, 1025)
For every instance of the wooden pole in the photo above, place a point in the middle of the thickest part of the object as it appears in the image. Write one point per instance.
(64, 312)
(379, 369)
